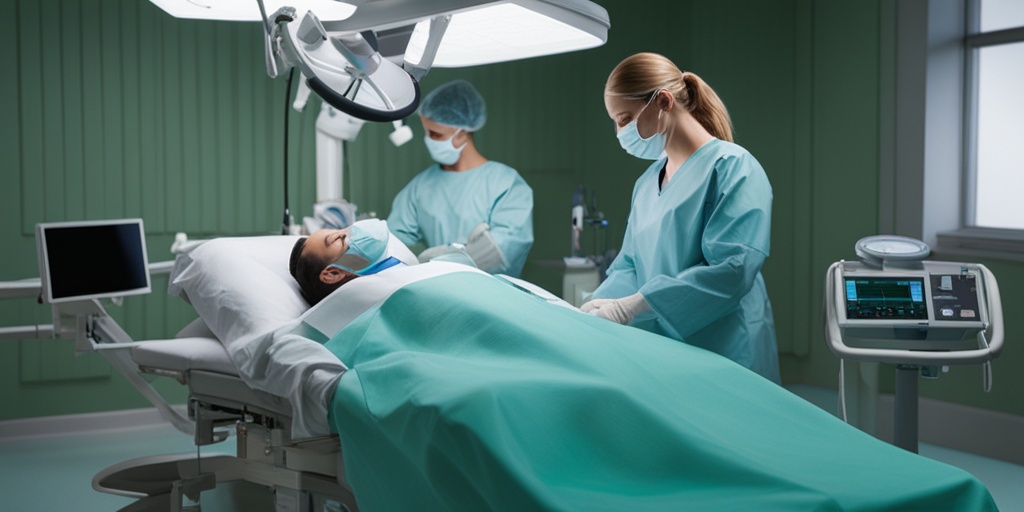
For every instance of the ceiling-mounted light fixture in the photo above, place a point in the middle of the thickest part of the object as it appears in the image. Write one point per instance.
(365, 57)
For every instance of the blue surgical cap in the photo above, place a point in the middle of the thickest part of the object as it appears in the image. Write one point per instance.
(456, 104)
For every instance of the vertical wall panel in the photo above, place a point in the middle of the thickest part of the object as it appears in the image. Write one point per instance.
(53, 118)
(800, 321)
(20, 145)
(71, 106)
(55, 361)
(10, 140)
(191, 128)
(273, 160)
(208, 137)
(225, 151)
(94, 187)
(273, 101)
(246, 68)
(305, 167)
(171, 119)
(112, 200)
(132, 123)
(260, 149)
(152, 125)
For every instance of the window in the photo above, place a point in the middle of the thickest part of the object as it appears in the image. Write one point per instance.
(994, 114)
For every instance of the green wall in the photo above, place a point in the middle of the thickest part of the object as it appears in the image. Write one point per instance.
(114, 109)
(118, 110)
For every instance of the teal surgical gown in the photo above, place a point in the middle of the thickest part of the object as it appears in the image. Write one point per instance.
(695, 250)
(442, 207)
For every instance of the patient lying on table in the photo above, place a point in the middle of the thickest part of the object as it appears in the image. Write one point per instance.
(451, 390)
(476, 396)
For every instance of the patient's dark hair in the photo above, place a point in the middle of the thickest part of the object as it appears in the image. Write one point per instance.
(306, 268)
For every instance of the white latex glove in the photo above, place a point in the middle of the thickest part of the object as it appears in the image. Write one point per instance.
(453, 253)
(621, 311)
(485, 252)
(439, 250)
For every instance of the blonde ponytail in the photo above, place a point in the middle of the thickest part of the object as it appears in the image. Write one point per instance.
(706, 107)
(640, 76)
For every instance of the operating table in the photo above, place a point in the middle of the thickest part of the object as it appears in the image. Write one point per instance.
(303, 474)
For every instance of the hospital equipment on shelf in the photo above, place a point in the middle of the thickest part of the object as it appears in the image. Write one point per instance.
(893, 306)
(584, 272)
(579, 210)
(302, 473)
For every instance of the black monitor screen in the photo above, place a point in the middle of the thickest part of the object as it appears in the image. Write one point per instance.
(91, 260)
(895, 298)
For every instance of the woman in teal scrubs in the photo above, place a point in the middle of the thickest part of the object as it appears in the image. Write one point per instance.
(699, 228)
(464, 204)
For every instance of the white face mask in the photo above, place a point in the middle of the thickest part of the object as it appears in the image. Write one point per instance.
(443, 151)
(629, 138)
(367, 245)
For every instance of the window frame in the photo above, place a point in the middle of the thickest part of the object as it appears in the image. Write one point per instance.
(974, 42)
(927, 140)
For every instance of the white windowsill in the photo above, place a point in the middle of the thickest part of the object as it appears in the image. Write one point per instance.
(1004, 244)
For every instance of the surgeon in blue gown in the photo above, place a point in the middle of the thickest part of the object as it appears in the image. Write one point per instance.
(464, 205)
(699, 228)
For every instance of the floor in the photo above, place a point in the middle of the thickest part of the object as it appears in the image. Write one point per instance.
(55, 472)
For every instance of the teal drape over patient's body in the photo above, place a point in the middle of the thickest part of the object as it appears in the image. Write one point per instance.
(465, 393)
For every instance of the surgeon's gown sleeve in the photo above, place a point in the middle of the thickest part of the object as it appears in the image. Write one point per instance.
(695, 251)
(402, 220)
(511, 223)
(442, 207)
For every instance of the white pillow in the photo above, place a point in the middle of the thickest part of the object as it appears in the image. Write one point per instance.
(241, 287)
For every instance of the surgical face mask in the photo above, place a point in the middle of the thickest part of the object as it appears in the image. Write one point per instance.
(443, 151)
(367, 245)
(631, 141)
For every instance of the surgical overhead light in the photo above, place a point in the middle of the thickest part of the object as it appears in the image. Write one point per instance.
(509, 31)
(345, 70)
(455, 33)
(249, 10)
(365, 57)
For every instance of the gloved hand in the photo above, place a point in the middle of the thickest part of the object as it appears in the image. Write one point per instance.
(621, 311)
(485, 252)
(454, 253)
(438, 250)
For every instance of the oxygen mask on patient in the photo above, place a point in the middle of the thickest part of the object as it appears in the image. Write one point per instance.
(367, 248)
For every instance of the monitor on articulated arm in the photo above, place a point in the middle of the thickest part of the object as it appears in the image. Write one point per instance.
(86, 260)
(83, 262)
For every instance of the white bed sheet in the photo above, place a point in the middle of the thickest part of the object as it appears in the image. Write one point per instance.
(242, 290)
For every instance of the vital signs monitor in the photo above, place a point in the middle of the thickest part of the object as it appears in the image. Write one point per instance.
(895, 307)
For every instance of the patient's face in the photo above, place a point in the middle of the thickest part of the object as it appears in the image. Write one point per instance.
(327, 244)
